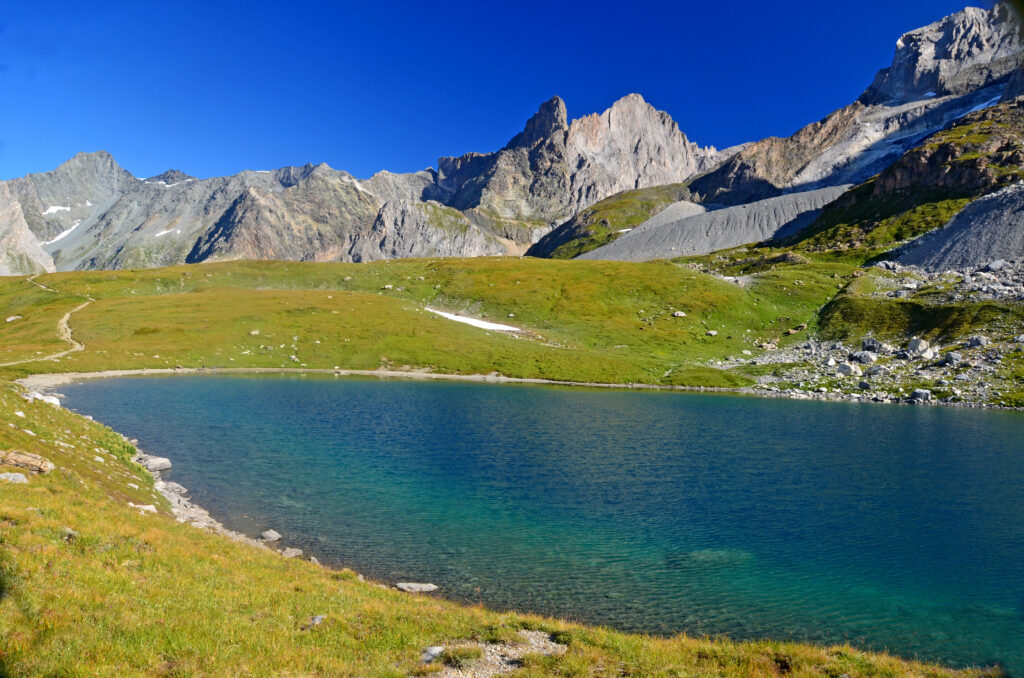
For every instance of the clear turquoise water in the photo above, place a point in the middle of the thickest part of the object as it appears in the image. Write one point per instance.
(889, 527)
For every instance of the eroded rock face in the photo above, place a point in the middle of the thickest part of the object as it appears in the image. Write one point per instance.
(955, 55)
(631, 145)
(553, 170)
(406, 228)
(20, 252)
(91, 213)
(939, 73)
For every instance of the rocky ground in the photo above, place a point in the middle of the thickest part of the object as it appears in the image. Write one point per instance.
(998, 280)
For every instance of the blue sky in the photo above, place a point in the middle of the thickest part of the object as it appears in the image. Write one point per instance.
(212, 88)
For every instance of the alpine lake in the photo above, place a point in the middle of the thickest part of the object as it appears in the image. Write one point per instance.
(892, 528)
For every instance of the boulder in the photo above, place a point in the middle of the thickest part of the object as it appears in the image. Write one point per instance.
(678, 314)
(917, 346)
(864, 386)
(997, 265)
(878, 371)
(32, 462)
(16, 478)
(270, 535)
(951, 359)
(921, 395)
(156, 463)
(979, 341)
(415, 587)
(871, 344)
(848, 370)
(865, 357)
(712, 333)
(291, 552)
(48, 399)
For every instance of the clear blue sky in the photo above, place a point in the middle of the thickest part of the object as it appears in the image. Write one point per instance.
(212, 88)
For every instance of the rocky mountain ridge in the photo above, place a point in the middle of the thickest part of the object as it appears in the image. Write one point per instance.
(939, 73)
(90, 213)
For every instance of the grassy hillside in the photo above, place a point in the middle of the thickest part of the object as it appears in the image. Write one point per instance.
(583, 321)
(90, 586)
(603, 222)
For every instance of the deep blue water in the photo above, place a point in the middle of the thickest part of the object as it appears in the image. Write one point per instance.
(889, 527)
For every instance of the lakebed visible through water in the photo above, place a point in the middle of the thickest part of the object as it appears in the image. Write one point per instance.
(898, 528)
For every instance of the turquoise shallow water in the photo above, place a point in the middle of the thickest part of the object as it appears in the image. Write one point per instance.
(889, 527)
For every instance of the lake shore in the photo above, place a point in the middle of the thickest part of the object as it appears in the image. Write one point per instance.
(49, 381)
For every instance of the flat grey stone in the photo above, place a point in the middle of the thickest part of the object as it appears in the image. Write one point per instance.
(16, 478)
(414, 587)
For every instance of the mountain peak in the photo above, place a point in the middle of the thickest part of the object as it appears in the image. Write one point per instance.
(961, 52)
(549, 119)
(93, 159)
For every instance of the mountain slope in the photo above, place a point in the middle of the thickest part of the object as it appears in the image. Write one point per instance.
(939, 73)
(91, 213)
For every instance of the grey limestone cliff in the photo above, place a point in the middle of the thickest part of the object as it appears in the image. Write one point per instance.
(938, 74)
(91, 213)
(20, 251)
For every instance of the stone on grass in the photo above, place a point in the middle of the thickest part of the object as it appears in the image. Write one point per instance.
(431, 653)
(415, 587)
(865, 357)
(270, 535)
(712, 333)
(291, 552)
(16, 478)
(314, 621)
(678, 314)
(25, 460)
(48, 399)
(979, 341)
(878, 371)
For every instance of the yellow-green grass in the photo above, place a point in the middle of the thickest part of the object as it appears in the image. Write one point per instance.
(89, 586)
(34, 334)
(602, 322)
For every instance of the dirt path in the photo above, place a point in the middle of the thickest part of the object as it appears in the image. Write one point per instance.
(63, 330)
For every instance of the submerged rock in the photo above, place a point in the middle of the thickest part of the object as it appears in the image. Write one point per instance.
(414, 587)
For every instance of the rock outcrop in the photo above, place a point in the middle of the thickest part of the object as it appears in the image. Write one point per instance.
(405, 228)
(987, 230)
(20, 251)
(554, 169)
(939, 73)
